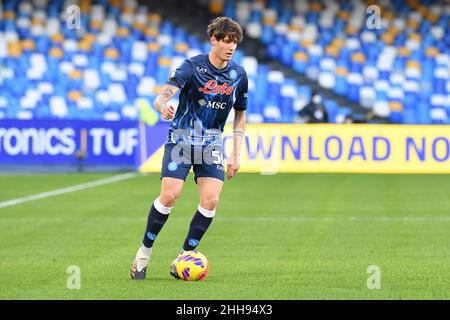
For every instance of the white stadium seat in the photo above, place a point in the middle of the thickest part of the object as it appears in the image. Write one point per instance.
(381, 108)
(58, 106)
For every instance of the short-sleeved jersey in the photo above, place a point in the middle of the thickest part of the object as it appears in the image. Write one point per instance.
(206, 98)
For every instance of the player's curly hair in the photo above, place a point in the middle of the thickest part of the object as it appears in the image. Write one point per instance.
(222, 27)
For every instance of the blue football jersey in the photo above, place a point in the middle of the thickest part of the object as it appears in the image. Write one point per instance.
(206, 97)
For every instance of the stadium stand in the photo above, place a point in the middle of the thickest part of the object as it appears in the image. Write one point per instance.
(123, 52)
(196, 17)
(399, 68)
(120, 53)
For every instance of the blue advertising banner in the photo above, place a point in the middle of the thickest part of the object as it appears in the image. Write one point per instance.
(67, 142)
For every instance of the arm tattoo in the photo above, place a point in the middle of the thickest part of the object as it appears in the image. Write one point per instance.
(166, 94)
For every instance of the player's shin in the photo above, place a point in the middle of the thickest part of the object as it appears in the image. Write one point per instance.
(199, 225)
(156, 219)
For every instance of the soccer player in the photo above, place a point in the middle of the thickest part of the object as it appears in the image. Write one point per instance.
(211, 84)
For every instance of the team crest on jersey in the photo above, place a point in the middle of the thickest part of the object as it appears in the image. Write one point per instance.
(233, 74)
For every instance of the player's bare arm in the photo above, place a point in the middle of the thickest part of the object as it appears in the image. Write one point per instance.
(167, 93)
(238, 136)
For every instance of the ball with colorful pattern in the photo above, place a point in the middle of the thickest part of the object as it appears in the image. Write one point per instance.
(192, 266)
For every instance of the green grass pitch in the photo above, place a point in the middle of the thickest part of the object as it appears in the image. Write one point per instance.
(286, 236)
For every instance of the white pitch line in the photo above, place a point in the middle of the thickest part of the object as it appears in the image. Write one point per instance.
(305, 219)
(298, 219)
(70, 189)
(334, 219)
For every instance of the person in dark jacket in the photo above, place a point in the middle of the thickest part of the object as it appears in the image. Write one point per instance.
(314, 112)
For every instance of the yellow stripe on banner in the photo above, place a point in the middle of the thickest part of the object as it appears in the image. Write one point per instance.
(357, 148)
(345, 148)
(153, 164)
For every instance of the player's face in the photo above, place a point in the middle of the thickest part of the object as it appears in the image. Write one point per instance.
(224, 48)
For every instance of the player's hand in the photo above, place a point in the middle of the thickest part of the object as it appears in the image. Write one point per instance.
(168, 113)
(233, 166)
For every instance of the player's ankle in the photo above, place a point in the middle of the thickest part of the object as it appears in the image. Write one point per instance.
(145, 251)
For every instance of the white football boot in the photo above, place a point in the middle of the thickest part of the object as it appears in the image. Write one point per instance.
(173, 271)
(140, 263)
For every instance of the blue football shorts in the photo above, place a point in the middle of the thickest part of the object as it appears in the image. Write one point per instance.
(207, 161)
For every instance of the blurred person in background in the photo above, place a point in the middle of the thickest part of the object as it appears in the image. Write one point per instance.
(314, 112)
(348, 119)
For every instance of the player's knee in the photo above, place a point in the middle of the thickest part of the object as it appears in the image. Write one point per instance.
(210, 203)
(168, 199)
